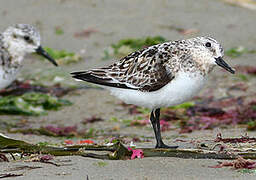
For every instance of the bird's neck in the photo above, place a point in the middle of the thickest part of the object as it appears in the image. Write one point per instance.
(205, 68)
(16, 53)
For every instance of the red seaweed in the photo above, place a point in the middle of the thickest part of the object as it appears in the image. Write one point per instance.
(246, 69)
(243, 139)
(239, 163)
(20, 88)
(61, 131)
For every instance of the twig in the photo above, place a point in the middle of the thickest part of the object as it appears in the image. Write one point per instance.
(9, 175)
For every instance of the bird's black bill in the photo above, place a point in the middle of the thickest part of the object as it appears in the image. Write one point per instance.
(224, 65)
(43, 53)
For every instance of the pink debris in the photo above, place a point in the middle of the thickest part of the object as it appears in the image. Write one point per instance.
(136, 153)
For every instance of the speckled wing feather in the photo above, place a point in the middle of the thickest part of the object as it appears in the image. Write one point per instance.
(1, 50)
(148, 69)
(4, 55)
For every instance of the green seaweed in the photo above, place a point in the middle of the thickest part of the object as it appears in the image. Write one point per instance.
(63, 56)
(247, 171)
(144, 110)
(185, 105)
(251, 126)
(101, 164)
(51, 76)
(57, 54)
(243, 77)
(238, 51)
(139, 43)
(31, 104)
(126, 46)
(113, 119)
(59, 31)
(127, 122)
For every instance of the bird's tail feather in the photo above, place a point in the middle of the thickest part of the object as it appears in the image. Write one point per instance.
(98, 77)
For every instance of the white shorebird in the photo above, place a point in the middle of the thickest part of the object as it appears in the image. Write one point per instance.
(15, 42)
(161, 75)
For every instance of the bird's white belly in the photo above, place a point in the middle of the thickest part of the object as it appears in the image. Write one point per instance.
(182, 88)
(6, 78)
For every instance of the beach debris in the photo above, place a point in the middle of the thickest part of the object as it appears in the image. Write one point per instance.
(3, 158)
(193, 116)
(8, 175)
(85, 33)
(58, 30)
(136, 153)
(238, 51)
(92, 119)
(243, 139)
(246, 69)
(180, 30)
(127, 46)
(60, 130)
(239, 163)
(249, 4)
(22, 87)
(63, 56)
(165, 126)
(84, 141)
(31, 104)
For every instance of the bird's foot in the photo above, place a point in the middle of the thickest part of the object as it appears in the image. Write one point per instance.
(164, 146)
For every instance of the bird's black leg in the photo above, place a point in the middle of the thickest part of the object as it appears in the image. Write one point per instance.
(154, 118)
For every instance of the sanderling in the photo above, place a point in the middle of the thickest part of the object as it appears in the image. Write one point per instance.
(15, 42)
(162, 75)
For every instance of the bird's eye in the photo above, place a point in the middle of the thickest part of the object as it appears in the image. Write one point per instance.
(14, 36)
(208, 44)
(27, 38)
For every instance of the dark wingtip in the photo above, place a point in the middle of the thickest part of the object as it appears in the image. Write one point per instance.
(76, 73)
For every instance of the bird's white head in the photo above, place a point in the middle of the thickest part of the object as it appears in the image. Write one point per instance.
(21, 39)
(211, 52)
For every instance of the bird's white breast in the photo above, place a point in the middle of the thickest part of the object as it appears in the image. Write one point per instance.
(182, 88)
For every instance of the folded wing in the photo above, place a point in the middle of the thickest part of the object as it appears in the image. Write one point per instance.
(142, 70)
